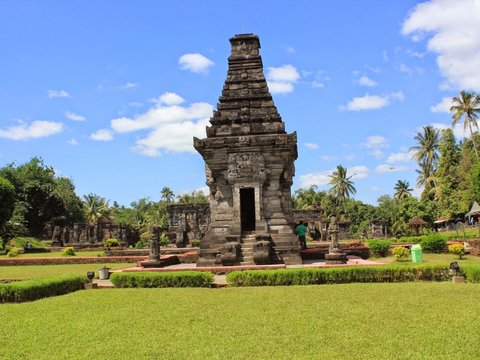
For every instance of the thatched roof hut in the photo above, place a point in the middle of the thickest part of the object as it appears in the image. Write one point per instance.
(416, 223)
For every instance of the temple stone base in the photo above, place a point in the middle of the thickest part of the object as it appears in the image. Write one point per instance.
(336, 258)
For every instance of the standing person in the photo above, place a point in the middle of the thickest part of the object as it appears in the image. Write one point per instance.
(301, 230)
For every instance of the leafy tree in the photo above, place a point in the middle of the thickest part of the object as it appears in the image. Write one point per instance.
(7, 201)
(446, 193)
(402, 190)
(195, 197)
(464, 192)
(167, 195)
(342, 185)
(426, 179)
(466, 106)
(476, 181)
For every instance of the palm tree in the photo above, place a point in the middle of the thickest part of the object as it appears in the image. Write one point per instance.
(467, 105)
(426, 177)
(402, 190)
(342, 185)
(427, 146)
(167, 194)
(96, 207)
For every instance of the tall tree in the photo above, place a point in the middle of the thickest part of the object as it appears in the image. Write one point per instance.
(96, 208)
(342, 185)
(467, 106)
(167, 195)
(446, 193)
(426, 149)
(402, 190)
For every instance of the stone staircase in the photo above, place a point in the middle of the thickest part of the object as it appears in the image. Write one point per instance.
(247, 241)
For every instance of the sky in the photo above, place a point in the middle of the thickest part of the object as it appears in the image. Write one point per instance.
(111, 93)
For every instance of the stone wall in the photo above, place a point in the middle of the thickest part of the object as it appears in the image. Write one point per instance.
(188, 222)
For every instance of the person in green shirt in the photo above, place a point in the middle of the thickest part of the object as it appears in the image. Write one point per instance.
(301, 231)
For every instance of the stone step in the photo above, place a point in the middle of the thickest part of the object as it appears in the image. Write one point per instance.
(247, 263)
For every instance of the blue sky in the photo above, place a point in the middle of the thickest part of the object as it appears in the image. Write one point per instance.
(111, 93)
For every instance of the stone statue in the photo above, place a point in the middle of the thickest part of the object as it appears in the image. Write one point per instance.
(154, 250)
(334, 256)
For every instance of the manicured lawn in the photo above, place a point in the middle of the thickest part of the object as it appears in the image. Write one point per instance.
(354, 321)
(39, 271)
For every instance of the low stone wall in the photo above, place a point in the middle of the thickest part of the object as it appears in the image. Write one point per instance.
(70, 260)
(317, 251)
(144, 252)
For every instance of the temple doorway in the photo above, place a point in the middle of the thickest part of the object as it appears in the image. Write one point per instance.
(247, 209)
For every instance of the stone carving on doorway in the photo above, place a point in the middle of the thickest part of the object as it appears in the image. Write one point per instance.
(246, 165)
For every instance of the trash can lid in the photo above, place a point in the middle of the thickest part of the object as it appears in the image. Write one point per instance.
(416, 247)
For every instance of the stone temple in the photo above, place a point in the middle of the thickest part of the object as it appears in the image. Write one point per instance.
(249, 166)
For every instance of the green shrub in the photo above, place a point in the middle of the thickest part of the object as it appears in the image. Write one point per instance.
(112, 242)
(13, 252)
(162, 279)
(195, 242)
(379, 248)
(362, 274)
(40, 288)
(164, 240)
(457, 249)
(68, 251)
(433, 243)
(139, 245)
(309, 239)
(401, 254)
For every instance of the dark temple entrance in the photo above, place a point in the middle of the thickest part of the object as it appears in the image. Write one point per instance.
(247, 209)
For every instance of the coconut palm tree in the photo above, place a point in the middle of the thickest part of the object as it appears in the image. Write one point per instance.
(428, 143)
(96, 207)
(342, 185)
(466, 106)
(402, 190)
(167, 194)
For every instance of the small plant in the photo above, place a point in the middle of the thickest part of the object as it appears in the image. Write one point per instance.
(195, 242)
(433, 243)
(164, 240)
(68, 251)
(13, 252)
(112, 242)
(139, 245)
(309, 239)
(401, 254)
(379, 248)
(457, 249)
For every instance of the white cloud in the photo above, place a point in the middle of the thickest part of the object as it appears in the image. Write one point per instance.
(376, 142)
(170, 126)
(358, 172)
(128, 85)
(452, 33)
(291, 50)
(37, 129)
(102, 135)
(318, 178)
(399, 157)
(372, 102)
(72, 142)
(196, 63)
(366, 81)
(415, 54)
(281, 79)
(385, 56)
(74, 117)
(458, 130)
(169, 98)
(385, 168)
(442, 106)
(311, 146)
(375, 188)
(58, 93)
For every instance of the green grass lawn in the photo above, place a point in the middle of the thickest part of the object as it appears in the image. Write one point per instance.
(21, 272)
(353, 321)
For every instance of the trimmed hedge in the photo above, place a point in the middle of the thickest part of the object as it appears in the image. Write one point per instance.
(162, 279)
(471, 272)
(345, 275)
(30, 290)
(433, 243)
(379, 248)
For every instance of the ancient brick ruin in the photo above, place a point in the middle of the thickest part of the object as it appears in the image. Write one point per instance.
(188, 222)
(249, 165)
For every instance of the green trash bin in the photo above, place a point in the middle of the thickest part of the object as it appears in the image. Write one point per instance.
(416, 251)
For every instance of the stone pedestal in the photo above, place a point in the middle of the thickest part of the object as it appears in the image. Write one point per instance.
(458, 279)
(334, 256)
